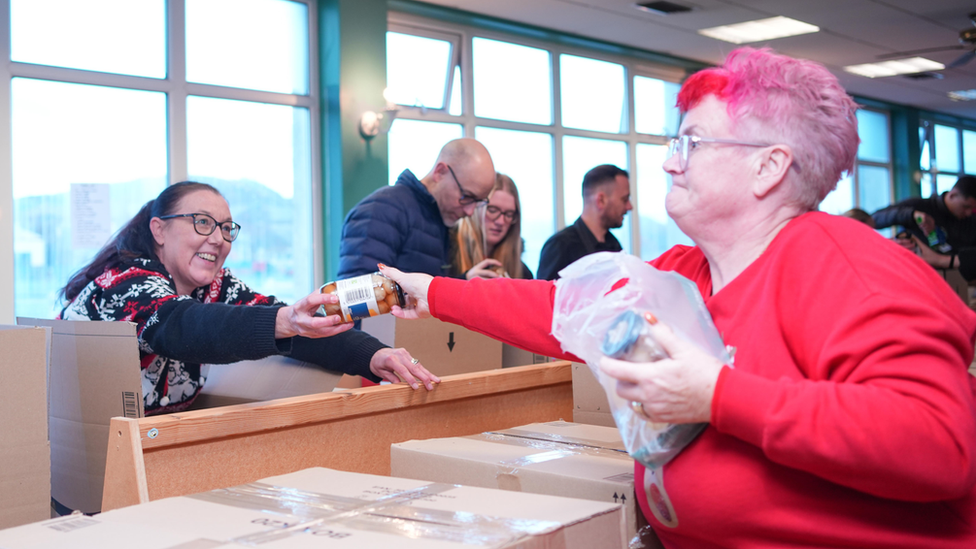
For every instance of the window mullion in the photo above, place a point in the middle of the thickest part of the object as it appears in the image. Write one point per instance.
(7, 177)
(467, 84)
(176, 97)
(318, 181)
(557, 136)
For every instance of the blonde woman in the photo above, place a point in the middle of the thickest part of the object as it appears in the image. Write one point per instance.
(488, 244)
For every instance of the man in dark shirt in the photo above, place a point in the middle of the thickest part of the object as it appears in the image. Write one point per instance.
(952, 212)
(606, 199)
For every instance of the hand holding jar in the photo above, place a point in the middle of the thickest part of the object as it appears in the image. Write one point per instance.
(414, 286)
(362, 297)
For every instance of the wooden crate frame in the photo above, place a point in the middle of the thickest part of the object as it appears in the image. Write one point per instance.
(189, 452)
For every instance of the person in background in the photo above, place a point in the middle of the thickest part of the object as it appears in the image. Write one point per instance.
(488, 244)
(858, 214)
(849, 417)
(164, 272)
(606, 200)
(406, 225)
(942, 228)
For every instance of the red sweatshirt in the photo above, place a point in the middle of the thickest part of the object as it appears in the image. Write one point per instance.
(849, 418)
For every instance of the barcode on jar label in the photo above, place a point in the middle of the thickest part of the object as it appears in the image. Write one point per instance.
(357, 298)
(356, 295)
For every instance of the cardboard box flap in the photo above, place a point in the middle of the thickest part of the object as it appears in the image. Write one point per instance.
(575, 434)
(24, 370)
(318, 507)
(82, 327)
(94, 370)
(25, 455)
(481, 501)
(94, 376)
(556, 458)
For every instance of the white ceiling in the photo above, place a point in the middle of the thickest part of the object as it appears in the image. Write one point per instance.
(851, 32)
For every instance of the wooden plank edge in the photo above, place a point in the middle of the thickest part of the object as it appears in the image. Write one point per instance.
(125, 469)
(240, 419)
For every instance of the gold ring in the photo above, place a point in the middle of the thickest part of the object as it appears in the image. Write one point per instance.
(415, 361)
(638, 409)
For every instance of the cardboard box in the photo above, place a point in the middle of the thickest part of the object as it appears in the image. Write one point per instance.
(326, 508)
(94, 377)
(266, 379)
(557, 458)
(25, 455)
(444, 349)
(514, 356)
(590, 403)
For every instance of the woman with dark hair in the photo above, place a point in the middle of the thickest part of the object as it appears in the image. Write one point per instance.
(164, 271)
(488, 244)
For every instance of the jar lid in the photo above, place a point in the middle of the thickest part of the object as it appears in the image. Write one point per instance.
(401, 299)
(622, 335)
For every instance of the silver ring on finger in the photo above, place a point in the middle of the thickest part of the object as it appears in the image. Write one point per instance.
(638, 409)
(414, 361)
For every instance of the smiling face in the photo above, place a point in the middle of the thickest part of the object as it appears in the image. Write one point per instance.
(715, 181)
(193, 260)
(497, 229)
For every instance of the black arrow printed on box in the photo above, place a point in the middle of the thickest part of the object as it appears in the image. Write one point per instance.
(450, 343)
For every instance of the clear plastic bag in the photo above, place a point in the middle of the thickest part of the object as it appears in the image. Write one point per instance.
(587, 307)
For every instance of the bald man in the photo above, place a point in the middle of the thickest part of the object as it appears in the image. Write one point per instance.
(406, 225)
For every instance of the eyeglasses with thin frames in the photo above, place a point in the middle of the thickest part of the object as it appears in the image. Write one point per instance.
(205, 225)
(466, 197)
(494, 212)
(687, 143)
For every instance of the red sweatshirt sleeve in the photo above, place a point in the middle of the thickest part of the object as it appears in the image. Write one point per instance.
(517, 312)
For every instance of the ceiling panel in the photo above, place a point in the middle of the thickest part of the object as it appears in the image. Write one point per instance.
(854, 31)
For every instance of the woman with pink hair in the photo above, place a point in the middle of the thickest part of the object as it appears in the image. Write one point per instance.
(848, 419)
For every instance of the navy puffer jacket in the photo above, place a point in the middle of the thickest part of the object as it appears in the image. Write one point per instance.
(400, 226)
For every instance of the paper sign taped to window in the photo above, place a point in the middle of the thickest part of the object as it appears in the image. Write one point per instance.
(91, 219)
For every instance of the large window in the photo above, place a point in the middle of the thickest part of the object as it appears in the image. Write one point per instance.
(547, 115)
(111, 100)
(948, 152)
(869, 187)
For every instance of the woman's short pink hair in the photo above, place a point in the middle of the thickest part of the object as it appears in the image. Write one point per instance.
(773, 98)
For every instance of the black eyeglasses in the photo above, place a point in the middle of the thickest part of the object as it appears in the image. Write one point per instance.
(205, 225)
(494, 212)
(466, 197)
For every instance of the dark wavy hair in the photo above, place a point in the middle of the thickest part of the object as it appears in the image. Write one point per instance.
(134, 239)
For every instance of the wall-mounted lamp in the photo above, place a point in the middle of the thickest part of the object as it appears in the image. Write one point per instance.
(374, 123)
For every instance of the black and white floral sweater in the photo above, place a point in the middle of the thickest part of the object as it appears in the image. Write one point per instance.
(217, 324)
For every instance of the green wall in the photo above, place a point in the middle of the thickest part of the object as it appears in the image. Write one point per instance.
(352, 61)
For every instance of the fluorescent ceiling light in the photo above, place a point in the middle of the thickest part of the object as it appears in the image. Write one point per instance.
(963, 95)
(895, 66)
(763, 29)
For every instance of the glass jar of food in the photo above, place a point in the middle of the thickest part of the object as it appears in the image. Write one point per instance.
(629, 338)
(362, 297)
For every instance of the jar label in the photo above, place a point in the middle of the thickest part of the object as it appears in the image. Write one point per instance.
(356, 298)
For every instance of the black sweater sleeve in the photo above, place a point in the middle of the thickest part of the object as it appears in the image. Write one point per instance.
(897, 214)
(219, 333)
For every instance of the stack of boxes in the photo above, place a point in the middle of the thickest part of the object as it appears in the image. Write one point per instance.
(575, 482)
